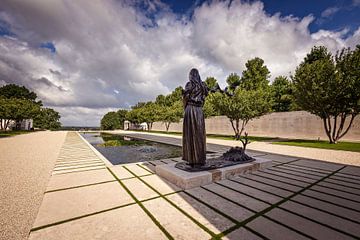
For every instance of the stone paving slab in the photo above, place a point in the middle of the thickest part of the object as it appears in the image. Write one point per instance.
(121, 172)
(351, 170)
(62, 205)
(273, 230)
(264, 187)
(271, 182)
(178, 225)
(340, 187)
(340, 211)
(139, 189)
(127, 223)
(280, 158)
(319, 165)
(79, 179)
(324, 218)
(255, 193)
(332, 199)
(138, 171)
(160, 184)
(309, 228)
(294, 199)
(203, 214)
(343, 183)
(237, 197)
(231, 209)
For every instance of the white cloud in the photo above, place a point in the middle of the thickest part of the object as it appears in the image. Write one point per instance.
(107, 47)
(329, 12)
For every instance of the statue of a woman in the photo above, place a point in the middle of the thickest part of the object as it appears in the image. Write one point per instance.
(194, 135)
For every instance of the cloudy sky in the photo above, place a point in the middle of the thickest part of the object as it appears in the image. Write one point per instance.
(85, 58)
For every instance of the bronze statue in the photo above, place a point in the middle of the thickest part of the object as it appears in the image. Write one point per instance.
(194, 135)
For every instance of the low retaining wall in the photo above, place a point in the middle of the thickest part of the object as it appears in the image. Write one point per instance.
(298, 124)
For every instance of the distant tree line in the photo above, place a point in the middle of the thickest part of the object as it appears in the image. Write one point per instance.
(18, 103)
(325, 85)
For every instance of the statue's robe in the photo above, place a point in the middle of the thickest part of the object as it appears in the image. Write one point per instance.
(194, 135)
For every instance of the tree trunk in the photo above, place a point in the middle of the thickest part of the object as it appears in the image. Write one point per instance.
(6, 124)
(167, 125)
(232, 125)
(335, 131)
(243, 124)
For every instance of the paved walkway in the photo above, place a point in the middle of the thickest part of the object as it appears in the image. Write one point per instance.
(294, 199)
(26, 163)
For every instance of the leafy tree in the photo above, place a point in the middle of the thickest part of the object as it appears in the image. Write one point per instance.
(122, 117)
(282, 94)
(17, 110)
(47, 118)
(111, 121)
(256, 75)
(247, 97)
(209, 108)
(151, 113)
(135, 116)
(233, 81)
(12, 91)
(171, 114)
(330, 88)
(243, 106)
(161, 100)
(211, 82)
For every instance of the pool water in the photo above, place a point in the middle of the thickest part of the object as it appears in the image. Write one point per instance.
(120, 149)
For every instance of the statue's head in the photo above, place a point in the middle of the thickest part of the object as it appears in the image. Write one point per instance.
(194, 76)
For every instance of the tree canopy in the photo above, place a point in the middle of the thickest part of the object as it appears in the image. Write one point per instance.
(113, 120)
(329, 87)
(47, 118)
(282, 94)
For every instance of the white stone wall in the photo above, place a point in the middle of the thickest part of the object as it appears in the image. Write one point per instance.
(297, 124)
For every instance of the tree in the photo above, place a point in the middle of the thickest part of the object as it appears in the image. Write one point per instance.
(245, 98)
(243, 106)
(171, 114)
(211, 82)
(151, 113)
(330, 88)
(111, 121)
(47, 118)
(17, 103)
(12, 91)
(233, 81)
(255, 76)
(122, 116)
(282, 94)
(17, 110)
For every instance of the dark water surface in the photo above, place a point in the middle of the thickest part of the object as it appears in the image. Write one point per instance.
(120, 149)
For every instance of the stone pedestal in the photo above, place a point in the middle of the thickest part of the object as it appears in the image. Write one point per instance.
(187, 180)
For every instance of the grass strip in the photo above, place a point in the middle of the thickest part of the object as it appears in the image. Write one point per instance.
(296, 201)
(79, 217)
(263, 212)
(80, 186)
(156, 222)
(174, 205)
(320, 223)
(344, 146)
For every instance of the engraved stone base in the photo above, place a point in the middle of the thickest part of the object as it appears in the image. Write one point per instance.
(187, 180)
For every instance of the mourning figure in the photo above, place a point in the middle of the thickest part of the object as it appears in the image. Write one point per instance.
(194, 135)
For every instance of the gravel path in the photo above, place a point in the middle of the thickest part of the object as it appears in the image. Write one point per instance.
(26, 162)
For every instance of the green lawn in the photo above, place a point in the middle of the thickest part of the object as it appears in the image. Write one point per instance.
(346, 146)
(13, 133)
